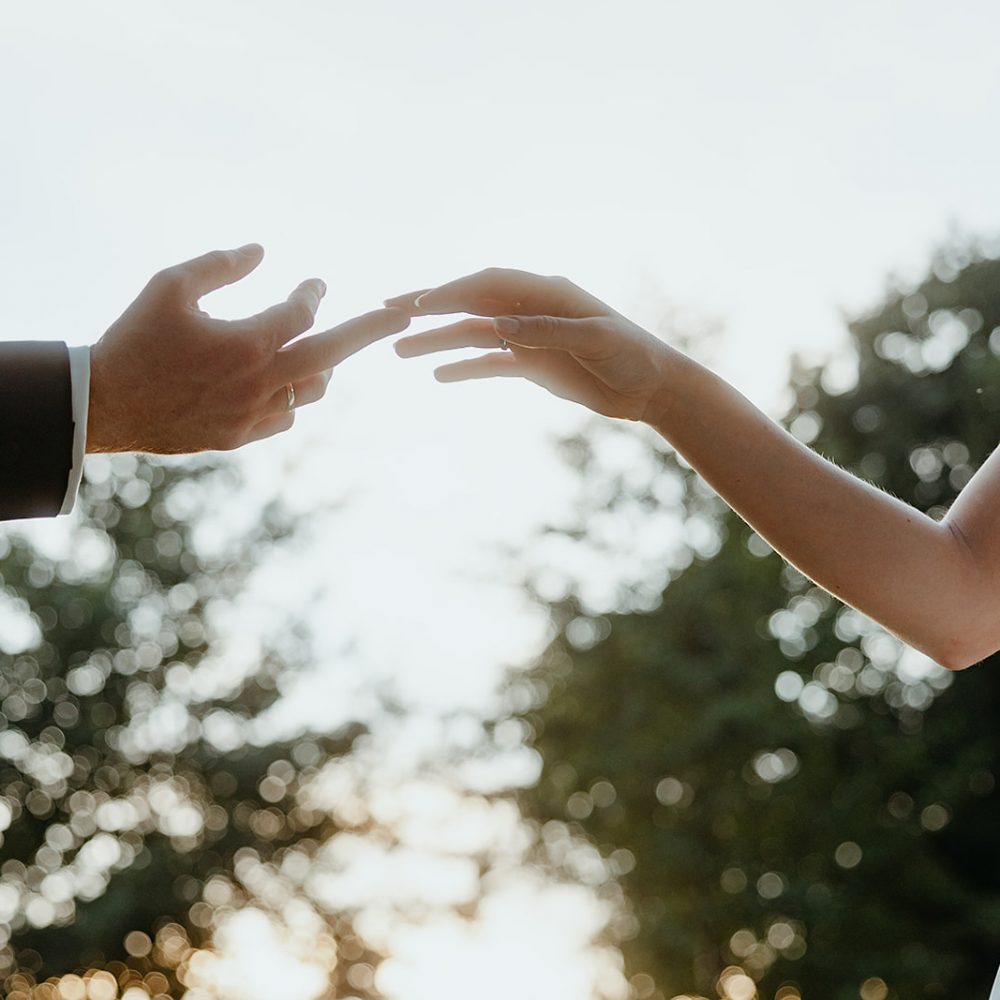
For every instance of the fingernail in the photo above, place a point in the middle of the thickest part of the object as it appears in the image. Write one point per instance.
(250, 249)
(322, 286)
(506, 324)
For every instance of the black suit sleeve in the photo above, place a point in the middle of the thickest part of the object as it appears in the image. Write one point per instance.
(36, 428)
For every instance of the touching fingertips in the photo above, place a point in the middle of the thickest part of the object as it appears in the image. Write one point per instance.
(406, 302)
(399, 319)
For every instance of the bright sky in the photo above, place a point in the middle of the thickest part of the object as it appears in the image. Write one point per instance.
(762, 164)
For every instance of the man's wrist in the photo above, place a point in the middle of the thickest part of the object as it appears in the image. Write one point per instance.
(99, 436)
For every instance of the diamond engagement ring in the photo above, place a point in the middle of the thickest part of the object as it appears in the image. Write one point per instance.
(290, 396)
(504, 346)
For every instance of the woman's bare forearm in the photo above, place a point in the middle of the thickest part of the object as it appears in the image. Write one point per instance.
(916, 576)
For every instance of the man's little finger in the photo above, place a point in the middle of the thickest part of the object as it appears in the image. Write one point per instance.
(270, 426)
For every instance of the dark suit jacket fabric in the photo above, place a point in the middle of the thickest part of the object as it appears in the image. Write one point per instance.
(36, 428)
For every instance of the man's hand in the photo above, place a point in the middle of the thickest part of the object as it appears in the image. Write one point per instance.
(558, 336)
(168, 378)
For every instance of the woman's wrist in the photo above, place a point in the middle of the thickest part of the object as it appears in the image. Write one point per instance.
(673, 371)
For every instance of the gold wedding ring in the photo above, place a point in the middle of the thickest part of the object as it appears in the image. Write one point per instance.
(290, 396)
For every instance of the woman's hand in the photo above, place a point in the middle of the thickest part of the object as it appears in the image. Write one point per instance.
(865, 547)
(558, 336)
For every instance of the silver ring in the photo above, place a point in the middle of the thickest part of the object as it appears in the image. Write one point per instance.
(290, 396)
(504, 346)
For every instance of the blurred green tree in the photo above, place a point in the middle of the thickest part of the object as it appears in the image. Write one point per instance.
(785, 795)
(139, 806)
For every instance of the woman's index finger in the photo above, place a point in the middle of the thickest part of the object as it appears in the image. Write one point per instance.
(505, 291)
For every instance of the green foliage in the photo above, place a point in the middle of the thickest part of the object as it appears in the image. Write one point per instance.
(137, 798)
(777, 785)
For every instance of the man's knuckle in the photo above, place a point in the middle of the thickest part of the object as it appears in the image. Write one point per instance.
(252, 353)
(168, 279)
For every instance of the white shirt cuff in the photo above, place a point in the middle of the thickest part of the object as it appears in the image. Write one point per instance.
(79, 373)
